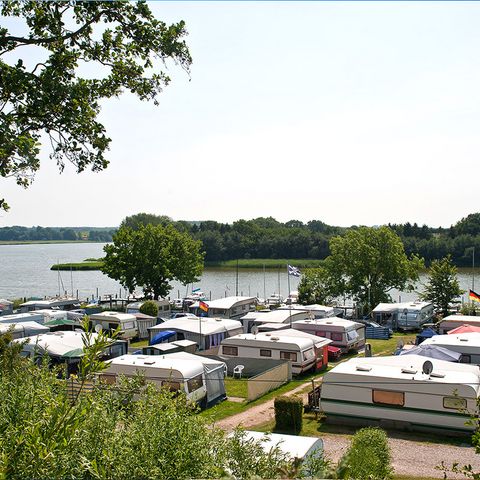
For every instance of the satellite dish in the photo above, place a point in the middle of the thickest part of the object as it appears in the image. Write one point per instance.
(255, 330)
(98, 328)
(427, 367)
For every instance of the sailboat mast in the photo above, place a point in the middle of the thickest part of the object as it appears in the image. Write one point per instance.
(473, 269)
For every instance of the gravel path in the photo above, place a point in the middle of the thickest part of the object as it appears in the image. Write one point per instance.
(413, 458)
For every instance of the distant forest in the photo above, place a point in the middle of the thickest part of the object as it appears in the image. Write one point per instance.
(268, 238)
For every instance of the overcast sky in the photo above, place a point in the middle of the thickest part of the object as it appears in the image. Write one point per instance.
(349, 113)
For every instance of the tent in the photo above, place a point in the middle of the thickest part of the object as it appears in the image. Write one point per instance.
(433, 351)
(424, 334)
(162, 336)
(464, 329)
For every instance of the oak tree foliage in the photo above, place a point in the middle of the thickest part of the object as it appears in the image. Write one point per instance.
(57, 98)
(151, 257)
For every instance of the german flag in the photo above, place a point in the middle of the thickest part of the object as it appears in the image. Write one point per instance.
(474, 297)
(203, 306)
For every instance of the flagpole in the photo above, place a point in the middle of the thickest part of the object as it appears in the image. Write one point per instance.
(264, 289)
(236, 281)
(473, 269)
(290, 303)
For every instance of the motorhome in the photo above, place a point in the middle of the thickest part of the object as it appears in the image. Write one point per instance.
(344, 334)
(454, 321)
(403, 392)
(294, 446)
(303, 352)
(23, 317)
(6, 307)
(277, 319)
(176, 374)
(112, 321)
(23, 329)
(66, 347)
(315, 311)
(467, 344)
(164, 308)
(403, 316)
(206, 332)
(59, 303)
(228, 307)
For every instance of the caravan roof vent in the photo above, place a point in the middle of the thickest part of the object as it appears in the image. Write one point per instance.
(274, 339)
(149, 362)
(218, 319)
(437, 374)
(409, 370)
(362, 368)
(463, 339)
(329, 323)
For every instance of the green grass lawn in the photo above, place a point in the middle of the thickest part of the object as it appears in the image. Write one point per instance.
(236, 387)
(139, 343)
(387, 347)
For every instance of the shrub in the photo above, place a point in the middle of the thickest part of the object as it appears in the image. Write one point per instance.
(288, 414)
(149, 308)
(369, 455)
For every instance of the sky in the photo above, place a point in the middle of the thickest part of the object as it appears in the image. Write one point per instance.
(346, 112)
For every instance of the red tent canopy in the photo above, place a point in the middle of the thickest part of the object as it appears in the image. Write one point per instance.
(464, 329)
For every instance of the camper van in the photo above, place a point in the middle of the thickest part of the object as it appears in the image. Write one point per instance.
(65, 347)
(304, 352)
(403, 392)
(467, 344)
(315, 311)
(110, 321)
(454, 321)
(403, 316)
(174, 373)
(344, 334)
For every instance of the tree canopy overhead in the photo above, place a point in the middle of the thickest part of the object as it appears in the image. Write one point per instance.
(152, 256)
(122, 41)
(367, 263)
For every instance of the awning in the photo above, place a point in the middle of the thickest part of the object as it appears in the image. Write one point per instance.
(161, 336)
(60, 321)
(433, 351)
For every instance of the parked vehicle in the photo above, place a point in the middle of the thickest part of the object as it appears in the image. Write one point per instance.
(344, 334)
(168, 371)
(467, 344)
(65, 347)
(112, 321)
(403, 316)
(455, 321)
(406, 392)
(305, 352)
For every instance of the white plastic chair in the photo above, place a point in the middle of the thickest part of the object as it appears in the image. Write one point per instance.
(238, 371)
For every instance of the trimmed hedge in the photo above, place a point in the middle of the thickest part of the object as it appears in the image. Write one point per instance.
(288, 414)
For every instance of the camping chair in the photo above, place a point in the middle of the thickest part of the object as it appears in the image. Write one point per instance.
(238, 370)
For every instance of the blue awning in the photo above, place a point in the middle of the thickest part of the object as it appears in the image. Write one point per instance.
(162, 336)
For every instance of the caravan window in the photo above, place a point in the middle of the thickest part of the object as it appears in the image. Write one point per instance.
(265, 353)
(321, 333)
(230, 350)
(336, 337)
(129, 325)
(455, 403)
(465, 359)
(386, 397)
(195, 383)
(308, 354)
(288, 356)
(172, 386)
(352, 335)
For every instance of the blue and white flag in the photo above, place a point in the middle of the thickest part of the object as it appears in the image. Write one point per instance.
(293, 271)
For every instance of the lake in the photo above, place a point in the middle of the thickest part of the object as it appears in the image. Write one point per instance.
(25, 272)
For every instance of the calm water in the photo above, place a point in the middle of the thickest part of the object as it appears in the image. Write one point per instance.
(25, 272)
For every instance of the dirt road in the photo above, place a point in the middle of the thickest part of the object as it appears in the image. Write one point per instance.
(413, 458)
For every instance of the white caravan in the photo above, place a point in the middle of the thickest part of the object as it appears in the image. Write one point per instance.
(23, 329)
(65, 347)
(173, 373)
(454, 321)
(315, 311)
(344, 334)
(303, 352)
(394, 392)
(467, 344)
(205, 331)
(112, 321)
(403, 316)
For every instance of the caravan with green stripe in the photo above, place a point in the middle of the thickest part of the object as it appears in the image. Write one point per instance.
(402, 392)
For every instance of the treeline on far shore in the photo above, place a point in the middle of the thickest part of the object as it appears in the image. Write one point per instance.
(267, 238)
